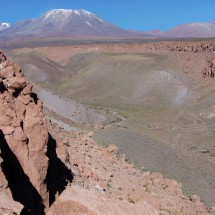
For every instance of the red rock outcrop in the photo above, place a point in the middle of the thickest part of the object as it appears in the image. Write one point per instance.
(24, 136)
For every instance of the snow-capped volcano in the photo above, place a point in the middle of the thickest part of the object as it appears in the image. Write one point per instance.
(61, 18)
(4, 25)
(64, 23)
(65, 15)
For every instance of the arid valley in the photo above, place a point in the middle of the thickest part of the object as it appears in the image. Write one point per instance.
(152, 100)
(102, 125)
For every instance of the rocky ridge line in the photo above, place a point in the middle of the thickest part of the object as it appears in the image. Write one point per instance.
(30, 167)
(24, 134)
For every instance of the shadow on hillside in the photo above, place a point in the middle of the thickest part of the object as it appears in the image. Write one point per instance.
(21, 188)
(58, 175)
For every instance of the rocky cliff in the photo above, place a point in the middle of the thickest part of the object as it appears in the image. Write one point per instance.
(27, 150)
(24, 137)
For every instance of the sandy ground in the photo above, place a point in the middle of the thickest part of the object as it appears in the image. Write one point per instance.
(64, 125)
(71, 109)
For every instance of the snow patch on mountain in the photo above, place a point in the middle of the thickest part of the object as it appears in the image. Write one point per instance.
(89, 24)
(65, 12)
(4, 25)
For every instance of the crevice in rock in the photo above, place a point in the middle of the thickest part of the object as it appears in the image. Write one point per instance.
(22, 125)
(17, 92)
(2, 57)
(35, 98)
(58, 175)
(21, 188)
(2, 87)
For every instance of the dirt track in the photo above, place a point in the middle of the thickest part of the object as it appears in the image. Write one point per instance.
(71, 109)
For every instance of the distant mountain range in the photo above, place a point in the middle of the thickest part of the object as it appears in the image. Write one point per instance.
(66, 23)
(81, 23)
(192, 30)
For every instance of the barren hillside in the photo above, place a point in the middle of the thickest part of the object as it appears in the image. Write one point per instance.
(159, 98)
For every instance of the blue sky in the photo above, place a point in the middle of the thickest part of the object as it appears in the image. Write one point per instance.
(136, 14)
